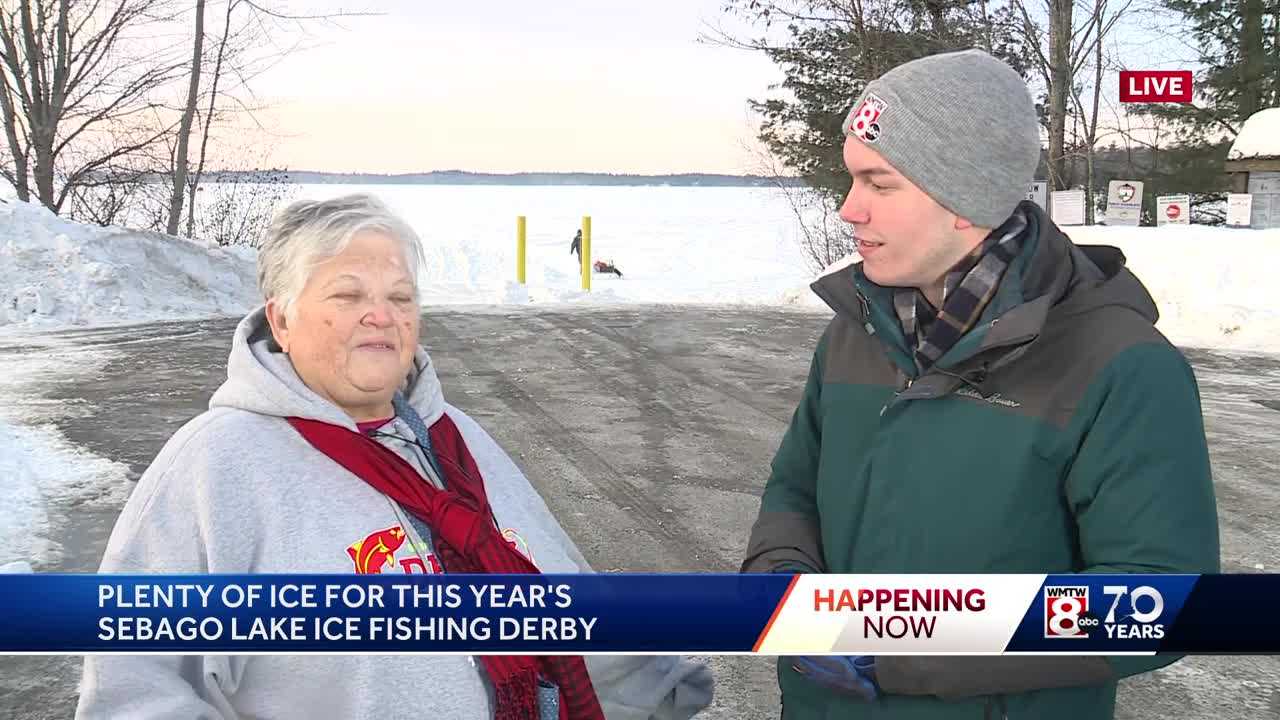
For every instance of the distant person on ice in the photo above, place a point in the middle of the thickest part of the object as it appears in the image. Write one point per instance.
(575, 247)
(607, 266)
(330, 449)
(989, 398)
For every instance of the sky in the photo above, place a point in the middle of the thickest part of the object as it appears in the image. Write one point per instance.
(567, 85)
(505, 86)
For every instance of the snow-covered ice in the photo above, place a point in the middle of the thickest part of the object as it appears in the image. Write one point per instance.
(1214, 286)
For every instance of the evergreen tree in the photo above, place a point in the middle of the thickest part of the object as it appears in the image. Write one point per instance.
(833, 48)
(1239, 43)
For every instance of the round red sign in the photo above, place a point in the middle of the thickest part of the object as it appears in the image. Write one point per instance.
(1173, 211)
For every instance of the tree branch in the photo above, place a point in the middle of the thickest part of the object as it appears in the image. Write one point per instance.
(1032, 35)
(74, 178)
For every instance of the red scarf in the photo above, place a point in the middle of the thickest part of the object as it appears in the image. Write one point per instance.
(467, 541)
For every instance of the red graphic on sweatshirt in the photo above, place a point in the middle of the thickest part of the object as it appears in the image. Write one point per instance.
(376, 551)
(407, 565)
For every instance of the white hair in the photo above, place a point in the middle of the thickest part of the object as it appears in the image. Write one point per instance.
(308, 232)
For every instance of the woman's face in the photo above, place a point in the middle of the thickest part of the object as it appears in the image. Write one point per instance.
(353, 330)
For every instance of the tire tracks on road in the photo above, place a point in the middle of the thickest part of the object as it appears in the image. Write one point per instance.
(676, 539)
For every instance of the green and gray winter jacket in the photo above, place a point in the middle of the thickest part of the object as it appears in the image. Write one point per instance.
(1063, 434)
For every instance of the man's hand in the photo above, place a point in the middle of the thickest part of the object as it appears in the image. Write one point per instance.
(848, 674)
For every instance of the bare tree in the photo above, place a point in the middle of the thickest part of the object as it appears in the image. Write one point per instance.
(1097, 27)
(1055, 72)
(824, 237)
(240, 207)
(247, 46)
(1060, 77)
(194, 186)
(124, 191)
(1071, 48)
(109, 202)
(184, 127)
(79, 81)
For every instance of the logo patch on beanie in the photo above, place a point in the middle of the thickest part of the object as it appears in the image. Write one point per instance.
(864, 122)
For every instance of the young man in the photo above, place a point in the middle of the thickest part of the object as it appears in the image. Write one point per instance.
(989, 398)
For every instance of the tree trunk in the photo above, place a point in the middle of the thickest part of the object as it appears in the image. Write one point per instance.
(40, 118)
(937, 17)
(1252, 58)
(1099, 11)
(1273, 97)
(184, 128)
(986, 29)
(42, 140)
(19, 153)
(1059, 87)
(208, 118)
(865, 41)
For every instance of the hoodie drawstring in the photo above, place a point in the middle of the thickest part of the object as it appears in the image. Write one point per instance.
(406, 412)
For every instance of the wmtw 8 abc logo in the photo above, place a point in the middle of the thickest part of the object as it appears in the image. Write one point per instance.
(1068, 614)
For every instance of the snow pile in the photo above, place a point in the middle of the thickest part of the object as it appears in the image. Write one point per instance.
(1260, 136)
(1215, 287)
(57, 273)
(42, 473)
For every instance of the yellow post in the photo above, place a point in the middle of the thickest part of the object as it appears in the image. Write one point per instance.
(586, 253)
(520, 249)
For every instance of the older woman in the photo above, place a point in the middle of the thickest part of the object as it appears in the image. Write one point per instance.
(330, 449)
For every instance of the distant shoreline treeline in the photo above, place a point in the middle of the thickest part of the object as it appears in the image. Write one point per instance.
(461, 177)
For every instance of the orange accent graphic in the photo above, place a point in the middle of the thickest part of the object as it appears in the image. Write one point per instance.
(514, 540)
(376, 551)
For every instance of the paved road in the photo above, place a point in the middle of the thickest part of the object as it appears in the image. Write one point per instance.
(648, 430)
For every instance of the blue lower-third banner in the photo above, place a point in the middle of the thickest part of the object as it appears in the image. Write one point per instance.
(646, 613)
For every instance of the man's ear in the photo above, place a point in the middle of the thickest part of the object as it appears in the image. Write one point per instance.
(279, 324)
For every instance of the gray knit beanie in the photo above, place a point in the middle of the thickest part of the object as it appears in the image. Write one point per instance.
(961, 126)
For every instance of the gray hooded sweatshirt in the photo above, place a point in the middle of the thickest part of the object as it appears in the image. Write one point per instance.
(238, 490)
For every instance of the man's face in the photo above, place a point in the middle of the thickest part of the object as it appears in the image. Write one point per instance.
(905, 238)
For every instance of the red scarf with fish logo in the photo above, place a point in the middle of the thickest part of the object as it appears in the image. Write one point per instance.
(467, 541)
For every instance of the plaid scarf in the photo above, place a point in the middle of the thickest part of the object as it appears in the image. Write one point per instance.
(966, 291)
(468, 541)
